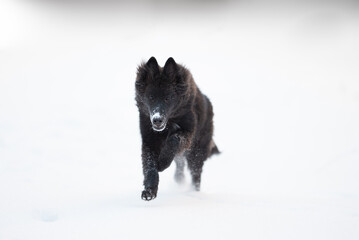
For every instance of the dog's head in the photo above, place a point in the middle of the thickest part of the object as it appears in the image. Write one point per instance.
(160, 91)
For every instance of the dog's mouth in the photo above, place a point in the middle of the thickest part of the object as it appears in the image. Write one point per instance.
(159, 128)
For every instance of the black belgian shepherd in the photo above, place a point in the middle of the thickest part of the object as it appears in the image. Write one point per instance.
(176, 123)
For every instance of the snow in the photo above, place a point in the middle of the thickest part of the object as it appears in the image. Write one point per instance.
(283, 81)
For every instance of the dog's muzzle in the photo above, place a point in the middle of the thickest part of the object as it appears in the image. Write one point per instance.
(158, 122)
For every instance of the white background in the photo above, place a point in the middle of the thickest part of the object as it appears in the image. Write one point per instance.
(284, 83)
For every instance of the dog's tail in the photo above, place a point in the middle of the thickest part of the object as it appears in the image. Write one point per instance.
(214, 149)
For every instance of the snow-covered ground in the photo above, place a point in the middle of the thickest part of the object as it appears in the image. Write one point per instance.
(284, 82)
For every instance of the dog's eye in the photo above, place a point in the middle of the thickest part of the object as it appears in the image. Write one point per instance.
(167, 99)
(151, 97)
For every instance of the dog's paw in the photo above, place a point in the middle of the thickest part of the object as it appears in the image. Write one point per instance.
(173, 140)
(148, 194)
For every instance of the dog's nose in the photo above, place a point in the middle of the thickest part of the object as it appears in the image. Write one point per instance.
(157, 121)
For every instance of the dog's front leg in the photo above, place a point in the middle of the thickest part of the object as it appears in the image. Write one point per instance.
(169, 151)
(178, 140)
(150, 173)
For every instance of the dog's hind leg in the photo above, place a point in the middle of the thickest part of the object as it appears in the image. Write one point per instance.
(179, 174)
(195, 161)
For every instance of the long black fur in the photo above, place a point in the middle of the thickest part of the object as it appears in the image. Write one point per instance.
(170, 96)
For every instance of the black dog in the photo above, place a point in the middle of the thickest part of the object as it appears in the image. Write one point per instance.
(175, 121)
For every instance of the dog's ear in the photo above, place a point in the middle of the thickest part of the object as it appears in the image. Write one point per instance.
(170, 67)
(176, 74)
(141, 76)
(145, 71)
(152, 65)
